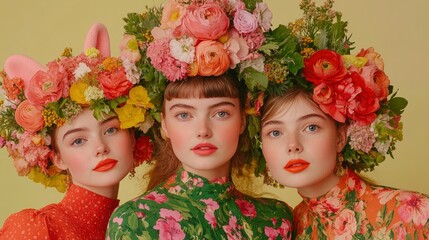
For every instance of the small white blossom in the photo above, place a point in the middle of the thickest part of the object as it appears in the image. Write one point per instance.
(93, 93)
(131, 71)
(81, 70)
(183, 49)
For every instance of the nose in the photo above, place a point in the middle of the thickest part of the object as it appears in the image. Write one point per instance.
(204, 129)
(294, 145)
(101, 148)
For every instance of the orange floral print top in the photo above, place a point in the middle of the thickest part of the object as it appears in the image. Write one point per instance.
(355, 209)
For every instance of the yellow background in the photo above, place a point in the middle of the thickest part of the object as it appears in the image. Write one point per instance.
(396, 29)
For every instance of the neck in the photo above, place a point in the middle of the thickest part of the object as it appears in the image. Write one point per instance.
(109, 191)
(320, 188)
(212, 173)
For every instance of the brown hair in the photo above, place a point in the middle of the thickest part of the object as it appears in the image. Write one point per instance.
(227, 85)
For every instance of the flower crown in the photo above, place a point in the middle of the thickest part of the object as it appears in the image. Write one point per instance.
(37, 100)
(313, 53)
(185, 38)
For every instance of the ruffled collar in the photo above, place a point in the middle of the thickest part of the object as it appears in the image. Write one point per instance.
(95, 218)
(197, 187)
(332, 202)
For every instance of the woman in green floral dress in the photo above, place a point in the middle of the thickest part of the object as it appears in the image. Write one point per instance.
(191, 195)
(209, 53)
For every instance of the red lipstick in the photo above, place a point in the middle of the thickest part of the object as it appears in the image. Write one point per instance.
(105, 165)
(296, 165)
(204, 149)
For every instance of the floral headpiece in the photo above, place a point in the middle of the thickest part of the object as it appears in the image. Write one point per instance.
(185, 38)
(38, 99)
(313, 53)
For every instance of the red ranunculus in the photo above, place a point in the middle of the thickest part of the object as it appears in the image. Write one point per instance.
(114, 84)
(324, 66)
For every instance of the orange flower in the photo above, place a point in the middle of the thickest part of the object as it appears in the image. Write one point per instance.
(212, 58)
(29, 116)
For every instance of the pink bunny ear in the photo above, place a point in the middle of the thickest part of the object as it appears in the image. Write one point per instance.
(21, 66)
(98, 37)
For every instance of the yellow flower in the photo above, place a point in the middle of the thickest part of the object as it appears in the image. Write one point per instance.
(77, 91)
(130, 115)
(358, 62)
(138, 96)
(92, 52)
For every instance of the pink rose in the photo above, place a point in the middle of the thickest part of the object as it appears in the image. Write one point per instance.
(212, 58)
(46, 87)
(373, 57)
(29, 116)
(158, 198)
(324, 66)
(206, 22)
(114, 84)
(345, 225)
(245, 22)
(377, 80)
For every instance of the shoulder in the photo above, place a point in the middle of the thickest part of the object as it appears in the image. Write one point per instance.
(26, 224)
(268, 205)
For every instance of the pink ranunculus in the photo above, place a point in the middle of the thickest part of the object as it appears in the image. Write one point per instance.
(345, 225)
(46, 87)
(377, 80)
(325, 66)
(29, 116)
(114, 84)
(414, 208)
(130, 48)
(246, 208)
(237, 49)
(212, 58)
(373, 57)
(245, 22)
(205, 22)
(325, 96)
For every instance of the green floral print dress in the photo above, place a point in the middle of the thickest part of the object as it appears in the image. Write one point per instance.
(355, 209)
(188, 206)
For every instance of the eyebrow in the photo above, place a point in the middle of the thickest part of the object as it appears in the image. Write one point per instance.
(181, 105)
(109, 119)
(312, 115)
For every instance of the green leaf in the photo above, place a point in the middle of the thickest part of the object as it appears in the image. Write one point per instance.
(255, 79)
(296, 64)
(397, 104)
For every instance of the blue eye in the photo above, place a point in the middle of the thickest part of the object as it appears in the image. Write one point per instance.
(111, 130)
(312, 127)
(275, 133)
(78, 142)
(222, 114)
(182, 116)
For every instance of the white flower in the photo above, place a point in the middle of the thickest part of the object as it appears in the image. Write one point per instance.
(81, 70)
(183, 49)
(264, 16)
(131, 71)
(256, 63)
(93, 93)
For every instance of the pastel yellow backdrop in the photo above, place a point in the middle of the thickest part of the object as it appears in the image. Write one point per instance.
(397, 29)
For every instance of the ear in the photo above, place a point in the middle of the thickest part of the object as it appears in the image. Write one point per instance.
(163, 126)
(98, 37)
(341, 137)
(57, 161)
(21, 66)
